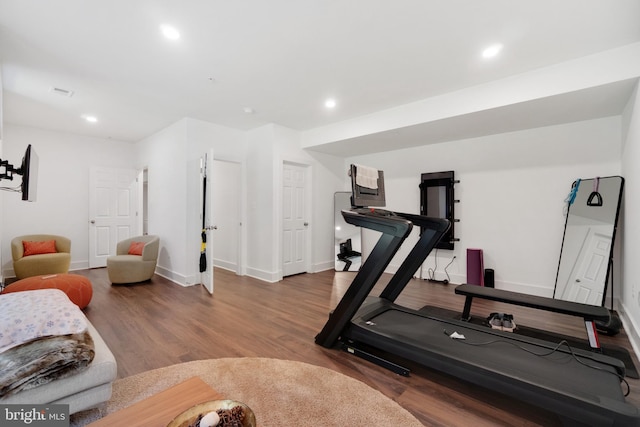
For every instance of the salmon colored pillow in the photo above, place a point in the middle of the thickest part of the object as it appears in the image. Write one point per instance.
(136, 248)
(36, 248)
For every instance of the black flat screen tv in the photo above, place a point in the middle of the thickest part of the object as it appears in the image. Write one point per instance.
(29, 172)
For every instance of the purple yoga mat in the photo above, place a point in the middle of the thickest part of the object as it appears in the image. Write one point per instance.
(475, 267)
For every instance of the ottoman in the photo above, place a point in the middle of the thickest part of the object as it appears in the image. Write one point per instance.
(78, 288)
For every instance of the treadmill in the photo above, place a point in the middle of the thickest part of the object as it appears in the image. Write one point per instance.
(582, 387)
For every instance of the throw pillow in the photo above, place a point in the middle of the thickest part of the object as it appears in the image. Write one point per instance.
(136, 248)
(36, 248)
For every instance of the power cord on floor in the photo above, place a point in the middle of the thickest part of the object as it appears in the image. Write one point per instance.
(432, 272)
(447, 266)
(552, 351)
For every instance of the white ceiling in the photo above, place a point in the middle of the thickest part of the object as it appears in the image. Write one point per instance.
(283, 58)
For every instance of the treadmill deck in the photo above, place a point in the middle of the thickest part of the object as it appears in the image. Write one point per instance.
(524, 367)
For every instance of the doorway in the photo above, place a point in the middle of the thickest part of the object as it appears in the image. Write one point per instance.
(295, 219)
(144, 211)
(113, 201)
(227, 189)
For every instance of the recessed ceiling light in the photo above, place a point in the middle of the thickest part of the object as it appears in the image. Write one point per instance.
(90, 119)
(170, 32)
(248, 110)
(492, 51)
(330, 103)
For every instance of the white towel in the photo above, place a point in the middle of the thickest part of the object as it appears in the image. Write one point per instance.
(367, 177)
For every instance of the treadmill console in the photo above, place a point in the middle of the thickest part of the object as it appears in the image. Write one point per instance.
(373, 212)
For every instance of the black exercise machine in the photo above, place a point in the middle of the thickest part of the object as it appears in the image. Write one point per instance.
(347, 253)
(582, 387)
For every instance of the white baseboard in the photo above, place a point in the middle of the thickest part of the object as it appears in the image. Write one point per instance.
(525, 288)
(79, 265)
(226, 265)
(271, 277)
(180, 279)
(323, 266)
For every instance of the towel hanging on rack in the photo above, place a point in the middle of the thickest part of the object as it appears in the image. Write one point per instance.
(367, 177)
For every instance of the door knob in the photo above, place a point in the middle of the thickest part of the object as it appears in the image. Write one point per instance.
(211, 227)
(306, 224)
(93, 221)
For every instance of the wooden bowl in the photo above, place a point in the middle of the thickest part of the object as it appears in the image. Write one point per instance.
(190, 416)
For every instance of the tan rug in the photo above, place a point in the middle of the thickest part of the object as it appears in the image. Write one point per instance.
(280, 392)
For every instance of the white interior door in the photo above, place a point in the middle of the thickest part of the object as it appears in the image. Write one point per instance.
(207, 200)
(112, 211)
(585, 284)
(227, 214)
(295, 221)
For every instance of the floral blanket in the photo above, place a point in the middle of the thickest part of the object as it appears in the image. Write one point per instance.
(43, 337)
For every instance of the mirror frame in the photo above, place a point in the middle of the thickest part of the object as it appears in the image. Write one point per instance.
(613, 232)
(440, 203)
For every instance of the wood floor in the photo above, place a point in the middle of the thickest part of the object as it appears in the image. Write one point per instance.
(159, 323)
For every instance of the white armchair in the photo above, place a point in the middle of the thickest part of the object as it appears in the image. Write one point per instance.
(48, 262)
(135, 260)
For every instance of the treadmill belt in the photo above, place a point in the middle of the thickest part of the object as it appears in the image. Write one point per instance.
(614, 351)
(556, 371)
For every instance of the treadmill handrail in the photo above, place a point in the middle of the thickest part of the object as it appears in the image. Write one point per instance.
(437, 224)
(394, 231)
(432, 231)
(388, 224)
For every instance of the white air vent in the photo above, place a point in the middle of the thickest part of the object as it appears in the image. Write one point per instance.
(63, 92)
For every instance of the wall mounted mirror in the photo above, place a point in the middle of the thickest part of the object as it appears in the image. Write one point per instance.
(589, 235)
(348, 242)
(437, 201)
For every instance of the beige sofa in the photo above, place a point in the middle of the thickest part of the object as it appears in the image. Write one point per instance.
(83, 390)
(36, 265)
(126, 268)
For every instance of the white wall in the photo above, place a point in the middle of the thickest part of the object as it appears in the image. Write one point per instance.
(261, 258)
(327, 177)
(630, 292)
(62, 205)
(172, 157)
(269, 147)
(164, 154)
(511, 191)
(227, 144)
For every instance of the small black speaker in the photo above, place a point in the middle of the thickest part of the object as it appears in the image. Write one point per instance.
(488, 278)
